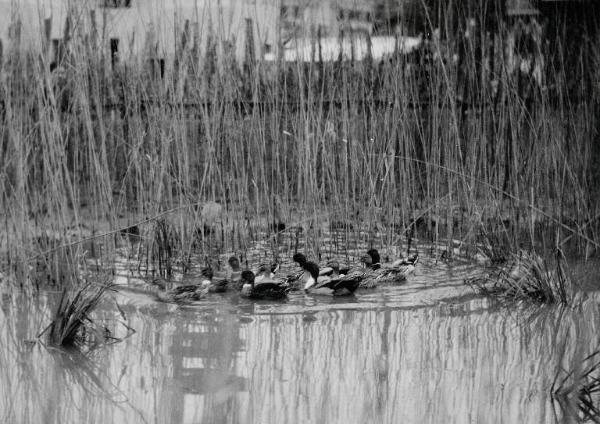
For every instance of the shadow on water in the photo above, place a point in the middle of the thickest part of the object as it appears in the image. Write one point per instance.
(426, 351)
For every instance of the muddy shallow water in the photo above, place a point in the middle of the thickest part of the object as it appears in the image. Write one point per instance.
(427, 351)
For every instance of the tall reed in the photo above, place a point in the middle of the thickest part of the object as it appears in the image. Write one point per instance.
(450, 136)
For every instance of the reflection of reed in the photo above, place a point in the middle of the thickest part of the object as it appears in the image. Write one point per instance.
(405, 366)
(449, 363)
(203, 358)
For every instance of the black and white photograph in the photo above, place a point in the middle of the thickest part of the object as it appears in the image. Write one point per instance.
(299, 211)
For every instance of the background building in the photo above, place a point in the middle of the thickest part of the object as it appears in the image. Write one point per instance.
(136, 29)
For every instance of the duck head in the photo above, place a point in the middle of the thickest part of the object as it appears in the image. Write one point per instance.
(248, 280)
(300, 259)
(372, 259)
(313, 274)
(335, 265)
(367, 260)
(234, 263)
(248, 277)
(262, 272)
(207, 276)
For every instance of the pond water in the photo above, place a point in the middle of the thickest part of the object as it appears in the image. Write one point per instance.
(427, 351)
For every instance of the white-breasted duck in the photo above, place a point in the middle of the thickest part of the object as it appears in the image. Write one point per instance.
(234, 274)
(396, 271)
(337, 286)
(264, 291)
(266, 273)
(215, 285)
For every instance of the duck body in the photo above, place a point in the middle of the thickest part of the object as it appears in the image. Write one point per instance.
(232, 279)
(333, 269)
(341, 286)
(395, 272)
(270, 290)
(194, 292)
(406, 265)
(211, 284)
(266, 273)
(337, 286)
(219, 286)
(184, 294)
(295, 280)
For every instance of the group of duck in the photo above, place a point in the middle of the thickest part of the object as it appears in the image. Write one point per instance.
(330, 279)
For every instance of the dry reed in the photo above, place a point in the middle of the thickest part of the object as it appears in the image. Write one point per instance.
(373, 146)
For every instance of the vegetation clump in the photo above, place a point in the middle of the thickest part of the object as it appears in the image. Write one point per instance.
(526, 276)
(72, 325)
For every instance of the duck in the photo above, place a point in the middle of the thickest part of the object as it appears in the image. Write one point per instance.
(295, 279)
(408, 262)
(266, 273)
(183, 294)
(332, 286)
(189, 292)
(214, 285)
(397, 271)
(332, 275)
(333, 269)
(234, 274)
(264, 291)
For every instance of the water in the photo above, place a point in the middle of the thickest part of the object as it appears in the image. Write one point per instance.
(428, 351)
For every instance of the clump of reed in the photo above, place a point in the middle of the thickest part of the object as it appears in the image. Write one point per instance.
(577, 392)
(526, 276)
(72, 324)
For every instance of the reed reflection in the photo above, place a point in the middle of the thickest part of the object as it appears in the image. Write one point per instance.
(203, 358)
(455, 361)
(462, 361)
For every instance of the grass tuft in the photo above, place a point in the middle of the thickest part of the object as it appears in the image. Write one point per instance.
(526, 276)
(72, 325)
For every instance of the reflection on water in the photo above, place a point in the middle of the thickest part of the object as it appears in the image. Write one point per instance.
(418, 353)
(203, 359)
